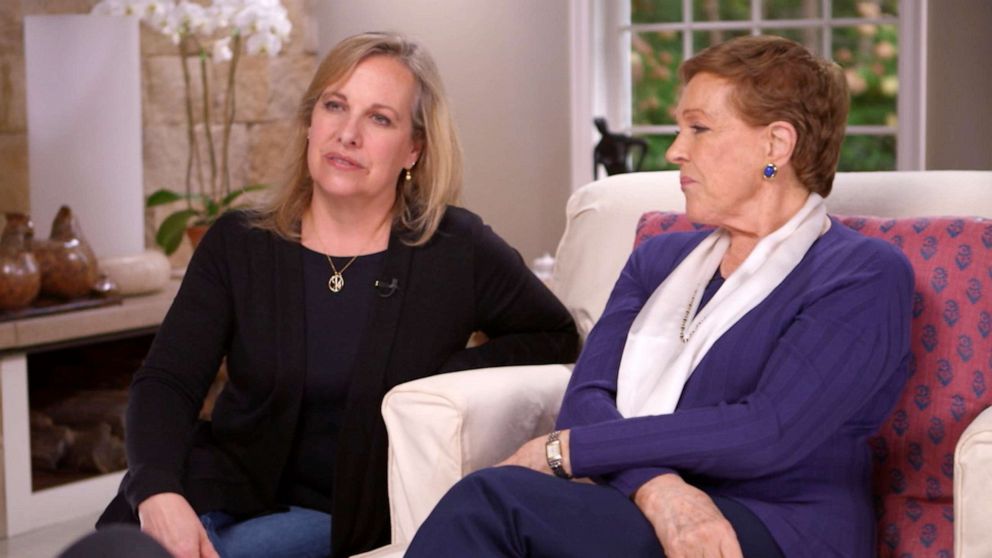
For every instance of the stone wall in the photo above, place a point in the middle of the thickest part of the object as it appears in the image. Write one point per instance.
(267, 93)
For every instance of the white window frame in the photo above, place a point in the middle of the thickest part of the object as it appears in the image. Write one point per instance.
(601, 84)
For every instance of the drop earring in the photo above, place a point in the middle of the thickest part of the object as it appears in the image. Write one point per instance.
(409, 176)
(770, 171)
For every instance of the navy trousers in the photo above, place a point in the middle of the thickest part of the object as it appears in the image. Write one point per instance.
(513, 511)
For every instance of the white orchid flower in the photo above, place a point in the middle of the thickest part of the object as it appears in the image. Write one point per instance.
(263, 43)
(256, 18)
(222, 50)
(120, 8)
(221, 13)
(265, 23)
(281, 26)
(157, 12)
(244, 20)
(188, 17)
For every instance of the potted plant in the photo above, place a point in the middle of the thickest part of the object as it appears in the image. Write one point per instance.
(215, 32)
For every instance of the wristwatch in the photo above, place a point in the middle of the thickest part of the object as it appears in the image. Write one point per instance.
(552, 449)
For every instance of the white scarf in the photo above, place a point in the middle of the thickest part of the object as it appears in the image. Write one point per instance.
(656, 363)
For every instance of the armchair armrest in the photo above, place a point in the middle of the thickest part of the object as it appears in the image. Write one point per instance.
(434, 440)
(972, 486)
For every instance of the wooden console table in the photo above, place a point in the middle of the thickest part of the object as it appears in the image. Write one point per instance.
(21, 508)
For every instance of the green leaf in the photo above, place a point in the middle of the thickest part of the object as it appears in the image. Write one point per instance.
(170, 232)
(212, 209)
(229, 199)
(162, 197)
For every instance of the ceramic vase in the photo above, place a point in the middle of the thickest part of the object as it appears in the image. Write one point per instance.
(69, 268)
(20, 276)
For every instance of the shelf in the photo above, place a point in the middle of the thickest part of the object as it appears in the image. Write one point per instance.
(134, 313)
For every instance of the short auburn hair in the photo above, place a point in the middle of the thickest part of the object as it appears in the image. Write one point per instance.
(776, 79)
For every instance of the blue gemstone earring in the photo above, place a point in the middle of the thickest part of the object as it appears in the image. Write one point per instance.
(770, 171)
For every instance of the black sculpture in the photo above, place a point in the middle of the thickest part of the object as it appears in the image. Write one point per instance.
(614, 151)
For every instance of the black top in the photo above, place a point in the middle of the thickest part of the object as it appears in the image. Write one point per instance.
(335, 323)
(243, 299)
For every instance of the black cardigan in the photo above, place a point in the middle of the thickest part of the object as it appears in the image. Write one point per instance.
(242, 297)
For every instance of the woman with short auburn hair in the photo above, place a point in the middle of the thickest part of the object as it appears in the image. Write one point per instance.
(774, 80)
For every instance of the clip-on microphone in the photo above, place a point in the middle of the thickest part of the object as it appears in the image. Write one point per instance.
(386, 290)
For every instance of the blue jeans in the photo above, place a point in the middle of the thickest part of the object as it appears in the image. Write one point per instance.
(299, 532)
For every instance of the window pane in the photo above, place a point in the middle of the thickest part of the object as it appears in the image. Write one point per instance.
(655, 157)
(721, 10)
(654, 62)
(869, 56)
(791, 9)
(868, 153)
(865, 8)
(655, 11)
(703, 39)
(807, 36)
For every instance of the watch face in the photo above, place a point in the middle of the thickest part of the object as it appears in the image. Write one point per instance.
(553, 450)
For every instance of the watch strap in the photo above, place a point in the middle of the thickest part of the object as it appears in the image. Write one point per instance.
(552, 450)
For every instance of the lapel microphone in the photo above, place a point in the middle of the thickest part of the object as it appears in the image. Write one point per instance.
(386, 290)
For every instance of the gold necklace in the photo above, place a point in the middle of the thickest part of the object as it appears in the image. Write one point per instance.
(335, 283)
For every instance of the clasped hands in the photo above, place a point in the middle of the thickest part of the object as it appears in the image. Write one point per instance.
(685, 519)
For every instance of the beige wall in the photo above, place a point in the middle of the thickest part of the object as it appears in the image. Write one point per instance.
(505, 67)
(959, 85)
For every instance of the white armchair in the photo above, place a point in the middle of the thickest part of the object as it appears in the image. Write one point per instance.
(446, 426)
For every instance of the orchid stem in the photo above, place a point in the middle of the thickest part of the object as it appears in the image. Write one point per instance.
(206, 123)
(229, 114)
(192, 158)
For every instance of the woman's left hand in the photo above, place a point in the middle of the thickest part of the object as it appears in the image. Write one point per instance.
(685, 519)
(532, 455)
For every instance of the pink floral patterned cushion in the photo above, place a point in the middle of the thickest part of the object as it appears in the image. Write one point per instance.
(951, 371)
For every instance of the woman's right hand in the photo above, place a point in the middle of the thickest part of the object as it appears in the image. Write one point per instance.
(686, 520)
(171, 521)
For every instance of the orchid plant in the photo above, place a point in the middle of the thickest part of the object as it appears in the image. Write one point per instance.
(214, 32)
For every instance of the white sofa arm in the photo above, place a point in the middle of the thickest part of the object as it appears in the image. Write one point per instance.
(972, 487)
(434, 441)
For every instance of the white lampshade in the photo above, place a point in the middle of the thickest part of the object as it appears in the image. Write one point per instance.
(84, 127)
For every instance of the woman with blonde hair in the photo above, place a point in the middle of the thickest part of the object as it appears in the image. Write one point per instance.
(358, 275)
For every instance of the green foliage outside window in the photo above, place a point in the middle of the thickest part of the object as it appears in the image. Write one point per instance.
(868, 53)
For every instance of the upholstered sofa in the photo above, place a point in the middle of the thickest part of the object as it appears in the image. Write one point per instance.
(933, 457)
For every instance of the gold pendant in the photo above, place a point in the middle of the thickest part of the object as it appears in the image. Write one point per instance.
(335, 283)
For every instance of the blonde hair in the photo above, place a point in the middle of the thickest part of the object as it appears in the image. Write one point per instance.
(437, 175)
(778, 79)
